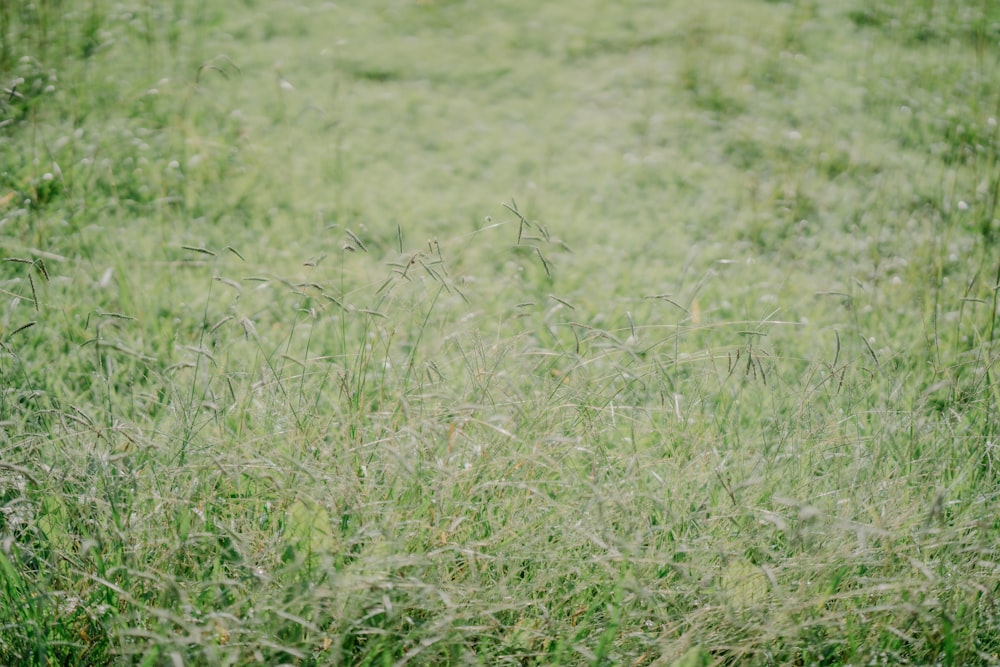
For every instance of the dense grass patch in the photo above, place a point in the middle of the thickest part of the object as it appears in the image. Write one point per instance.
(422, 332)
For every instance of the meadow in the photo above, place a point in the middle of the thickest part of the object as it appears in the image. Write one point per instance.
(434, 332)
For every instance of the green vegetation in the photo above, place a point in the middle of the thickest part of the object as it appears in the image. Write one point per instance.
(436, 332)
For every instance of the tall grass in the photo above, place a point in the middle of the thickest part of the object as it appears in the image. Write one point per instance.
(281, 385)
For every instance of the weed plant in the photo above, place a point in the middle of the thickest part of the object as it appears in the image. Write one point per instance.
(423, 332)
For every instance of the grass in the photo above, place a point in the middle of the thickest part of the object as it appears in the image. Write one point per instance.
(426, 333)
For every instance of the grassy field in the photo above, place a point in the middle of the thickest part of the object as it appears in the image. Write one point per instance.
(436, 332)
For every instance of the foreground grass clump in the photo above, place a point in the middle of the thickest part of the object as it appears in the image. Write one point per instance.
(283, 381)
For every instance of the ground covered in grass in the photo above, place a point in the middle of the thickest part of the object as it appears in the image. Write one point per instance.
(432, 332)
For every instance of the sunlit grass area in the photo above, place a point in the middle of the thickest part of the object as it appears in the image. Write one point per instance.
(427, 332)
